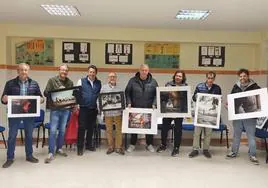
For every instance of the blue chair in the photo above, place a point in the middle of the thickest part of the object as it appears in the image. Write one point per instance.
(2, 129)
(221, 129)
(263, 134)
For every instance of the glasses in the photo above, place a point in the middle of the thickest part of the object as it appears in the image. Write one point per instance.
(112, 76)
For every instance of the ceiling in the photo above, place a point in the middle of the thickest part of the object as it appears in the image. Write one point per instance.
(236, 15)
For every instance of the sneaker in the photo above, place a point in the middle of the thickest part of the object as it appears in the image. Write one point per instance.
(254, 160)
(161, 148)
(194, 153)
(231, 155)
(80, 152)
(130, 148)
(8, 163)
(61, 153)
(49, 158)
(150, 148)
(109, 151)
(32, 159)
(206, 153)
(175, 152)
(120, 151)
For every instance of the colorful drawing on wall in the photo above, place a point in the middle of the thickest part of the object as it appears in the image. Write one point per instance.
(162, 55)
(35, 52)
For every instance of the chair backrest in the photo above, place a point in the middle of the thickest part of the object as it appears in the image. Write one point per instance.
(40, 118)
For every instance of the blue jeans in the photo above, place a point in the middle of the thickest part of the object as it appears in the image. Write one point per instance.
(14, 124)
(58, 121)
(249, 125)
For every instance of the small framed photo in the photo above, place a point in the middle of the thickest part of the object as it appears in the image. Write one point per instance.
(261, 122)
(23, 106)
(112, 101)
(249, 104)
(139, 121)
(62, 98)
(174, 102)
(208, 110)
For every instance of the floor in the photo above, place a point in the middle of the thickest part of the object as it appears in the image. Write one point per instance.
(138, 169)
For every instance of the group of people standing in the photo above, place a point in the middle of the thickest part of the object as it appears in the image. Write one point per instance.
(140, 92)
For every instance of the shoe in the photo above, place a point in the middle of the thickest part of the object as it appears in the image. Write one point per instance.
(175, 152)
(49, 158)
(109, 151)
(150, 148)
(8, 163)
(120, 151)
(254, 160)
(61, 153)
(130, 148)
(206, 153)
(80, 152)
(161, 148)
(194, 153)
(32, 159)
(231, 155)
(90, 148)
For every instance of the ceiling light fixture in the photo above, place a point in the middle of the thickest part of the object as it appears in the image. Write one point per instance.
(61, 10)
(192, 14)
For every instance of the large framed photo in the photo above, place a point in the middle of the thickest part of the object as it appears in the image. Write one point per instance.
(174, 102)
(62, 98)
(249, 104)
(208, 110)
(112, 101)
(139, 121)
(261, 122)
(23, 106)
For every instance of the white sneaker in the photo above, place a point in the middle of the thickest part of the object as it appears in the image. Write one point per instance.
(150, 148)
(49, 158)
(130, 148)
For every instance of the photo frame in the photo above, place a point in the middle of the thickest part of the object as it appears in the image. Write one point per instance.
(249, 104)
(62, 98)
(139, 121)
(208, 110)
(261, 122)
(174, 102)
(23, 106)
(112, 101)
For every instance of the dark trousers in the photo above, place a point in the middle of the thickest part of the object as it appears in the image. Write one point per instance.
(134, 138)
(166, 126)
(87, 122)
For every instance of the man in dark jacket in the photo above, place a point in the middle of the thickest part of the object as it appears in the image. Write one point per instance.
(141, 93)
(21, 85)
(249, 125)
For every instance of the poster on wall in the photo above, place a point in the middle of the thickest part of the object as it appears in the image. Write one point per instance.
(118, 53)
(211, 56)
(35, 52)
(162, 55)
(76, 52)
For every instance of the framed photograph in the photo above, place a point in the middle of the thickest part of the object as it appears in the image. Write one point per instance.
(208, 110)
(112, 101)
(139, 121)
(261, 122)
(62, 98)
(23, 106)
(249, 104)
(174, 102)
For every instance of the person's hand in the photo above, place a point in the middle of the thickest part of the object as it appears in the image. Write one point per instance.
(75, 108)
(226, 105)
(154, 107)
(4, 99)
(129, 105)
(42, 100)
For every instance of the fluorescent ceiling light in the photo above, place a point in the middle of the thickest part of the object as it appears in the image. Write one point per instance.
(61, 10)
(192, 14)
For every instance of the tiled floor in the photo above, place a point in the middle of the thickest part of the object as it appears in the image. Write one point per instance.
(138, 169)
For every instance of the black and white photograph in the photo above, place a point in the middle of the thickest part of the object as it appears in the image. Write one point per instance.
(112, 101)
(23, 106)
(208, 110)
(139, 121)
(62, 98)
(261, 122)
(249, 104)
(174, 101)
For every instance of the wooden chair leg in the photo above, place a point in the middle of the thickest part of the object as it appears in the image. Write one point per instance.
(227, 139)
(44, 136)
(21, 136)
(4, 140)
(221, 137)
(37, 141)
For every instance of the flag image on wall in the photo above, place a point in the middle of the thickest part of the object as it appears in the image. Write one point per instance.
(162, 55)
(35, 52)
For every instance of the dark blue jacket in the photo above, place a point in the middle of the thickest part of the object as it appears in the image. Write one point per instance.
(12, 87)
(202, 88)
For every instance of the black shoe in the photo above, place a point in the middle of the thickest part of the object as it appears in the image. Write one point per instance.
(8, 163)
(120, 151)
(194, 153)
(161, 148)
(175, 152)
(80, 152)
(206, 153)
(90, 148)
(109, 151)
(32, 159)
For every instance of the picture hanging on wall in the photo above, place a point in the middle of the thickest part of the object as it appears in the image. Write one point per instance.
(211, 56)
(76, 52)
(118, 53)
(35, 52)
